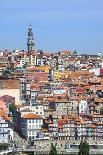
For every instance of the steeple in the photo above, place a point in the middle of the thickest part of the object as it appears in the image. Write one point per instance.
(30, 40)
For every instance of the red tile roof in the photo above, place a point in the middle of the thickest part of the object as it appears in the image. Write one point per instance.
(32, 116)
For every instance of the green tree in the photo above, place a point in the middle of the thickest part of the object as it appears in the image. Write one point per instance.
(11, 108)
(83, 148)
(101, 111)
(53, 150)
(4, 146)
(6, 72)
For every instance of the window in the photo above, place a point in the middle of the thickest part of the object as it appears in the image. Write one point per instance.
(29, 132)
(33, 132)
(39, 125)
(29, 126)
(36, 121)
(36, 126)
(39, 120)
(32, 126)
(29, 120)
(36, 107)
(40, 112)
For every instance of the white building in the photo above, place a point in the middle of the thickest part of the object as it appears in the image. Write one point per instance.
(6, 133)
(37, 109)
(83, 106)
(28, 60)
(96, 71)
(31, 124)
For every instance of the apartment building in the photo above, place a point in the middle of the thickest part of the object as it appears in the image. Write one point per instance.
(30, 126)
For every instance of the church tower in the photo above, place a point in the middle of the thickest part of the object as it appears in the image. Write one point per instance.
(30, 40)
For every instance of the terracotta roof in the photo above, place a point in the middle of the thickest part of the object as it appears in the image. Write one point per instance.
(98, 100)
(85, 119)
(81, 123)
(93, 114)
(44, 130)
(49, 109)
(91, 126)
(99, 123)
(60, 126)
(7, 118)
(98, 116)
(2, 113)
(99, 88)
(38, 68)
(84, 72)
(79, 83)
(32, 116)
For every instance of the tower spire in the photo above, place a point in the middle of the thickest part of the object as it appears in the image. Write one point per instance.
(30, 40)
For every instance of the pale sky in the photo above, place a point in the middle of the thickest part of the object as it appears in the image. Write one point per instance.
(57, 24)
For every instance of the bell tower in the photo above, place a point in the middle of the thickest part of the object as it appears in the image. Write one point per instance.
(30, 40)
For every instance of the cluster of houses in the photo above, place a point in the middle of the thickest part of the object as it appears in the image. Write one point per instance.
(6, 129)
(60, 99)
(56, 96)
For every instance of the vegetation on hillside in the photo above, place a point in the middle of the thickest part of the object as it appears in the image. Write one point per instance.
(53, 150)
(83, 148)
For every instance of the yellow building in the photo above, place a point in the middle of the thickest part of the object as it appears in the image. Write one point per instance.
(57, 76)
(40, 68)
(43, 68)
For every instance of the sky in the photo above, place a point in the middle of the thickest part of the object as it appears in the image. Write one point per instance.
(57, 24)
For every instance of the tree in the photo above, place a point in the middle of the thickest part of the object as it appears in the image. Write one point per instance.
(12, 107)
(6, 72)
(83, 148)
(53, 150)
(3, 146)
(101, 111)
